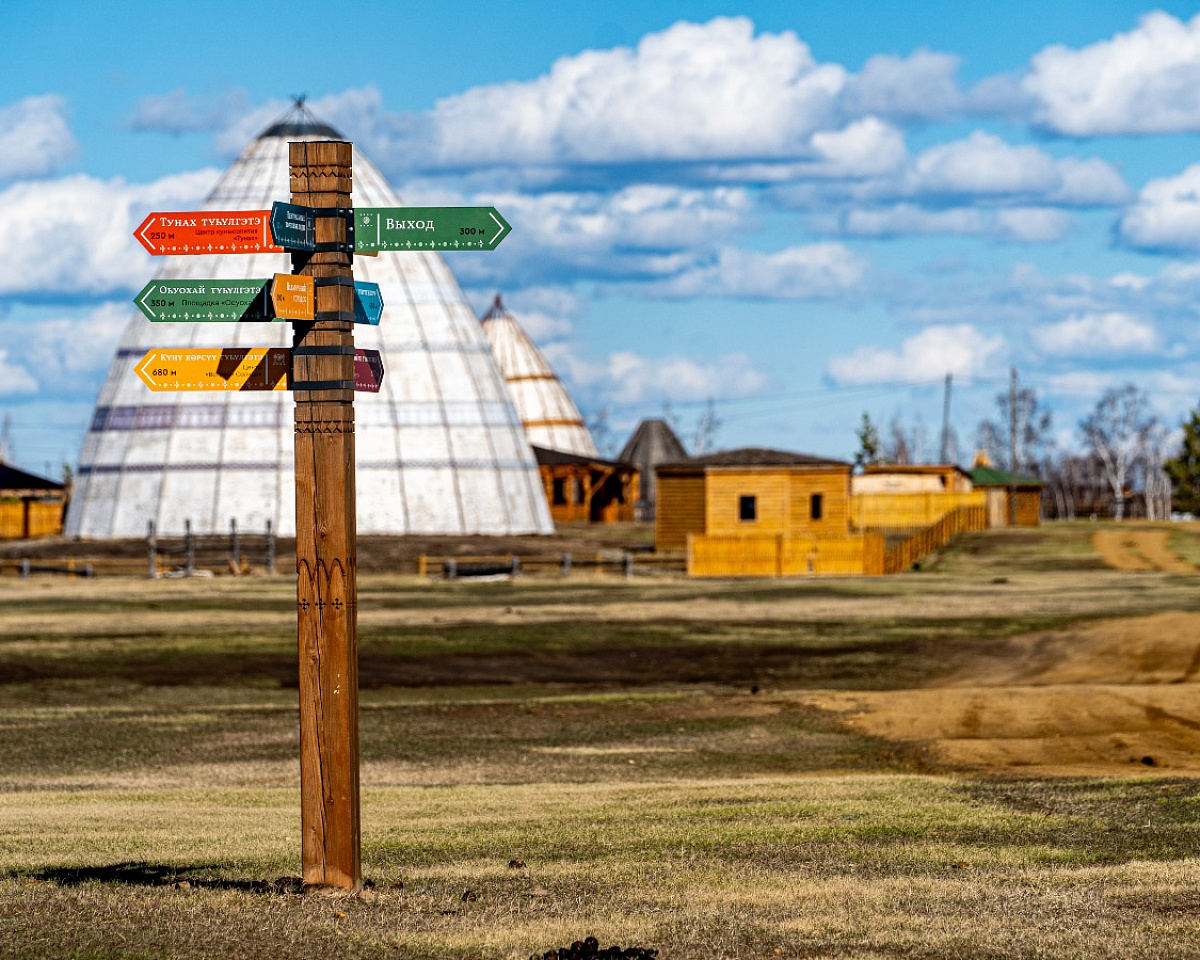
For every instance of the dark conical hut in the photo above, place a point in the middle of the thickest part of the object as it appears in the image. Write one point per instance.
(652, 442)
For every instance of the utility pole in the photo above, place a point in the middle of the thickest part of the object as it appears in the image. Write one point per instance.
(1012, 446)
(326, 538)
(945, 454)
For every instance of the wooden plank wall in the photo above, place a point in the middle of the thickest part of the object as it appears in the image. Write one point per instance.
(34, 518)
(680, 510)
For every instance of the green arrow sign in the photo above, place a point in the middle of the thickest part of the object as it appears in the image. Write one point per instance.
(230, 301)
(428, 228)
(205, 300)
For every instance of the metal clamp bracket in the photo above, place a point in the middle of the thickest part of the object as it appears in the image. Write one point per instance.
(333, 350)
(322, 384)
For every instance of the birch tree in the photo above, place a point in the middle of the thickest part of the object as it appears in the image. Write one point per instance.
(1117, 431)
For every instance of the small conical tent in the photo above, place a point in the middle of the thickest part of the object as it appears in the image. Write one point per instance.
(440, 449)
(551, 419)
(652, 442)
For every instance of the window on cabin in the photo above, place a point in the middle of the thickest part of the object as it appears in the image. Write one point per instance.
(559, 492)
(816, 506)
(579, 496)
(747, 508)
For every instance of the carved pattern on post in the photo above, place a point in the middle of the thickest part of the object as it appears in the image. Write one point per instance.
(326, 593)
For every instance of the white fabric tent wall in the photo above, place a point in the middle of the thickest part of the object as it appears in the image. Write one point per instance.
(549, 414)
(440, 449)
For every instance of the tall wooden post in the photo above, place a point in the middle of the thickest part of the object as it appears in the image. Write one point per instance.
(326, 542)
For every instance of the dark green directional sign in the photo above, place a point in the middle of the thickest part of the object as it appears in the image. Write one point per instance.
(293, 227)
(428, 228)
(205, 300)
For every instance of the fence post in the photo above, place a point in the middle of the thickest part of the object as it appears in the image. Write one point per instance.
(564, 566)
(234, 546)
(189, 543)
(151, 551)
(270, 549)
(628, 558)
(24, 568)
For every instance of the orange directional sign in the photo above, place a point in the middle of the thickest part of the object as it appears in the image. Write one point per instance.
(292, 297)
(221, 368)
(207, 231)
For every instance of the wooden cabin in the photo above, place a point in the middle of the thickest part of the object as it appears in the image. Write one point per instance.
(911, 478)
(897, 497)
(587, 489)
(752, 492)
(30, 506)
(997, 485)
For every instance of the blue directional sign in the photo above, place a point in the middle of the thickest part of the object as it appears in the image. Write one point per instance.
(368, 303)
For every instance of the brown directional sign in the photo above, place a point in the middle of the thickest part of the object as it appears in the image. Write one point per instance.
(292, 297)
(220, 368)
(207, 231)
(240, 368)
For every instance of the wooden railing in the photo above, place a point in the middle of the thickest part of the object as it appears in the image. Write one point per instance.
(907, 511)
(908, 551)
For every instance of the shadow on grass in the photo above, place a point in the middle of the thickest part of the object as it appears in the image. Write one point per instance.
(160, 875)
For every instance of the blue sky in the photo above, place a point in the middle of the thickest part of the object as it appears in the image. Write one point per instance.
(801, 211)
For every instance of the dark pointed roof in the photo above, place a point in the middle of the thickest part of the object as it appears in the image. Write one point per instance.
(757, 457)
(653, 442)
(299, 121)
(13, 479)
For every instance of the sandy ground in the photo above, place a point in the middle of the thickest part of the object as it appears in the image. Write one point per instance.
(1108, 698)
(1139, 550)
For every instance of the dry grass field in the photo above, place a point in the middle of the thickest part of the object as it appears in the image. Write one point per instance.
(995, 756)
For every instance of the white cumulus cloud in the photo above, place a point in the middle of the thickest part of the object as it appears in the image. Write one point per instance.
(35, 140)
(1143, 81)
(960, 350)
(14, 378)
(74, 236)
(714, 90)
(627, 376)
(1166, 214)
(818, 271)
(1097, 335)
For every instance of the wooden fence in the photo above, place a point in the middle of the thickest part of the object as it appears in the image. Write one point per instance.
(775, 556)
(867, 554)
(908, 551)
(907, 511)
(26, 519)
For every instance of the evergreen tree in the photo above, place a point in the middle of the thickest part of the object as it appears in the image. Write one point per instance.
(1184, 470)
(869, 445)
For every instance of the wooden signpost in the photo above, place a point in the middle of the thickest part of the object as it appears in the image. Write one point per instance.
(322, 231)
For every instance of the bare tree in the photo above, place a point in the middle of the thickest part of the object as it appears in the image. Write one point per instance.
(706, 429)
(1117, 432)
(1033, 432)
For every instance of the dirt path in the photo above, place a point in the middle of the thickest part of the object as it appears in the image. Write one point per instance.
(1109, 698)
(1139, 550)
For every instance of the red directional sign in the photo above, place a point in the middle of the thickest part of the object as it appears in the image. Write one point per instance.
(207, 231)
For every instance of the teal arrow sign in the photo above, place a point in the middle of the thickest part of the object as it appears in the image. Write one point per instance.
(231, 301)
(368, 303)
(293, 227)
(205, 300)
(428, 228)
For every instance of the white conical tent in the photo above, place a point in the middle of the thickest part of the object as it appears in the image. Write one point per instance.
(439, 450)
(549, 414)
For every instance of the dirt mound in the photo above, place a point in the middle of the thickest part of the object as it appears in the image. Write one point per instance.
(1110, 697)
(1139, 550)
